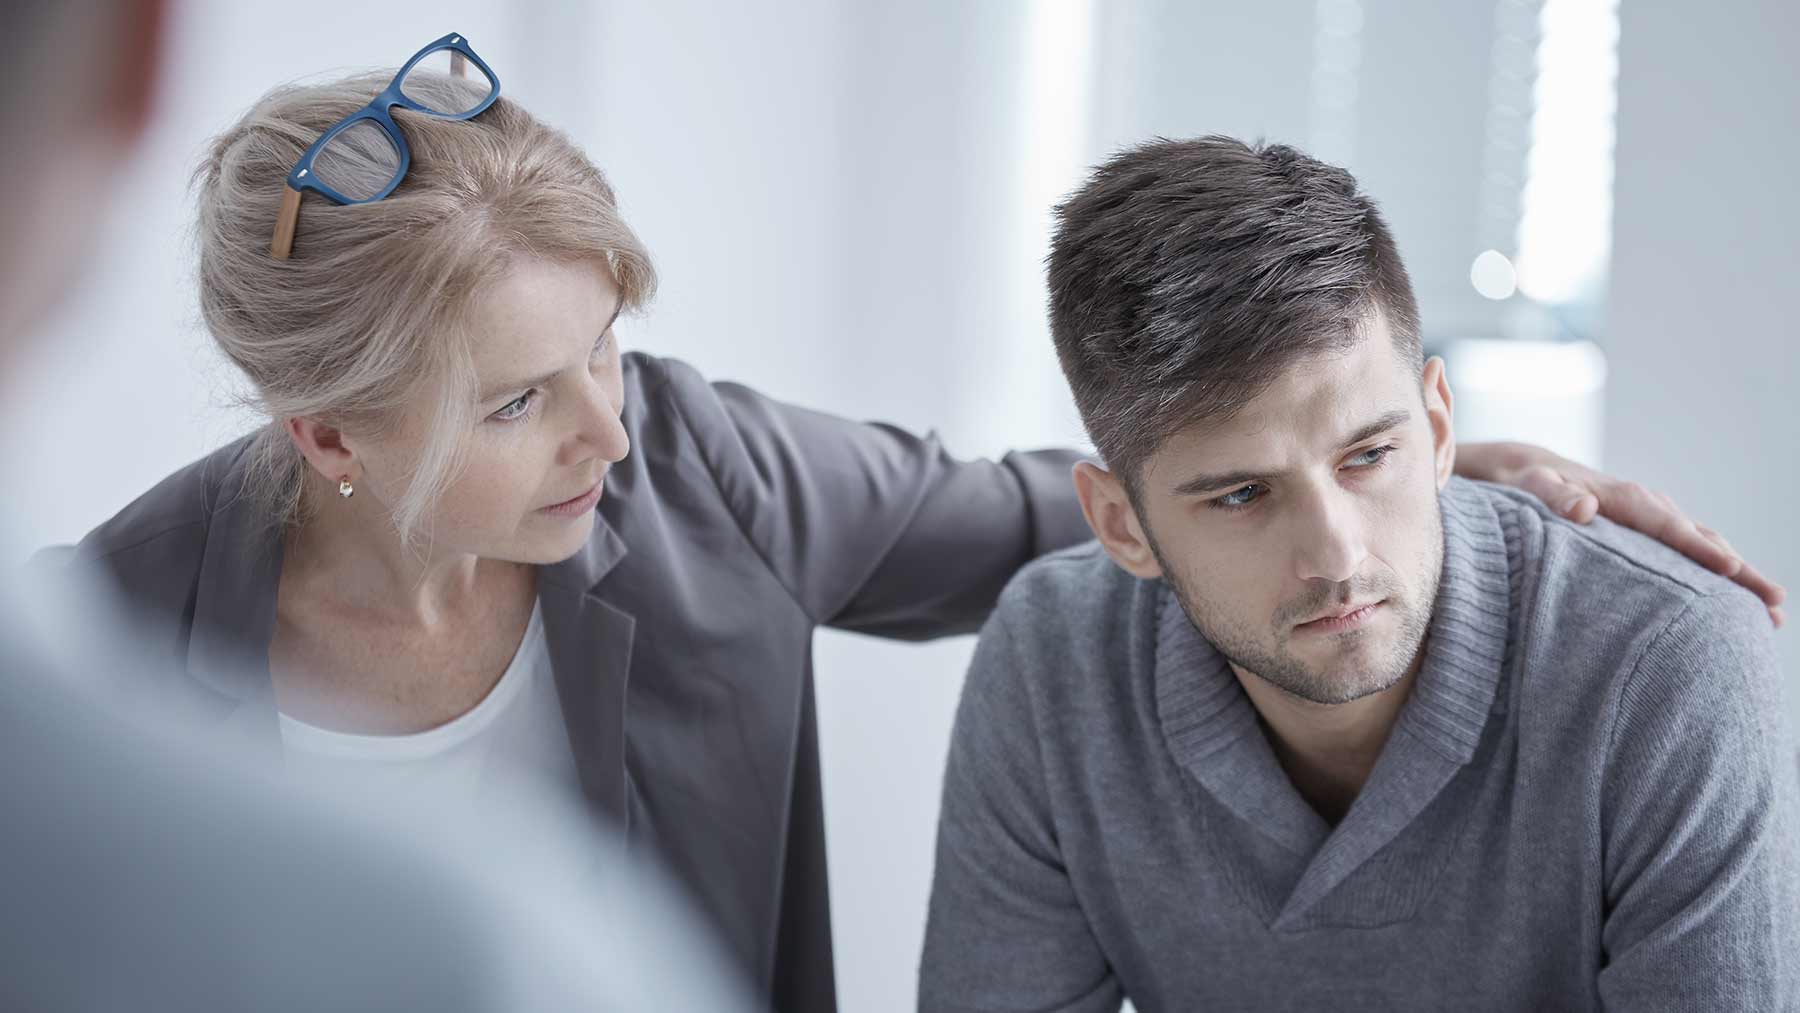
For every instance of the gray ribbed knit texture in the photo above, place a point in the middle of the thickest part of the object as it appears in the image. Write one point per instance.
(1588, 801)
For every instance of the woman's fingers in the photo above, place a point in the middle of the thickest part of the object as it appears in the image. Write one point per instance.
(1658, 516)
(1570, 499)
(1580, 493)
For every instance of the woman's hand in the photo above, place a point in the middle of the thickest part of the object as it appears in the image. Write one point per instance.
(1579, 493)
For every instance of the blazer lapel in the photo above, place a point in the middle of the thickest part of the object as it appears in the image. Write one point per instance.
(590, 652)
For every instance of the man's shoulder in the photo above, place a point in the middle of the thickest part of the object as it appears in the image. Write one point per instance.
(1067, 596)
(1608, 609)
(1602, 579)
(1071, 625)
(1065, 665)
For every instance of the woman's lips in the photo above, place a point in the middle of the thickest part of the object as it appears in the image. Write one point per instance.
(577, 506)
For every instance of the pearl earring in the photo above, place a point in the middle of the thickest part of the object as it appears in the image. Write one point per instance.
(345, 489)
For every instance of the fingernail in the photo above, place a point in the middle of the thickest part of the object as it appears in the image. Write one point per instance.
(1570, 506)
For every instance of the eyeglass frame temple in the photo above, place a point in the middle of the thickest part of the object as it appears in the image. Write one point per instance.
(282, 245)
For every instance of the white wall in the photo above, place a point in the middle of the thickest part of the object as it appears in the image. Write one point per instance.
(1704, 351)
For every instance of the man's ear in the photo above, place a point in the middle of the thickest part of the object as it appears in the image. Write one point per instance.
(1114, 521)
(324, 448)
(1438, 405)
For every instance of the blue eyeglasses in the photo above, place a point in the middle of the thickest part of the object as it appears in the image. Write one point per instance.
(364, 156)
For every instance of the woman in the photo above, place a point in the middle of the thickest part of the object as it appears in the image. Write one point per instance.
(474, 536)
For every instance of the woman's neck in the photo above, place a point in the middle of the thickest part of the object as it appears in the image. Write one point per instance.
(348, 551)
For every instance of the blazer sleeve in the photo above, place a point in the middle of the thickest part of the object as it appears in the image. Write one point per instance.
(872, 528)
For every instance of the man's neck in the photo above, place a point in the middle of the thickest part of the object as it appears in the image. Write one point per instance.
(1327, 750)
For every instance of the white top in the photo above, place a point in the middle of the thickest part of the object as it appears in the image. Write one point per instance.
(516, 731)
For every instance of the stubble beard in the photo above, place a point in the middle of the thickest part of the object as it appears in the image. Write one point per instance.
(1263, 651)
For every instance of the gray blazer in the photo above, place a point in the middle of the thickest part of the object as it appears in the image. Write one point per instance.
(680, 635)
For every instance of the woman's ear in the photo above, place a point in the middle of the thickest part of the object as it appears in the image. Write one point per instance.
(1438, 411)
(1114, 520)
(324, 448)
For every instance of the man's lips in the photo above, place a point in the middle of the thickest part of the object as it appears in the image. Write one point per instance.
(1342, 617)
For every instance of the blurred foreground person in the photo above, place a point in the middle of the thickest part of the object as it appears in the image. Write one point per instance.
(140, 872)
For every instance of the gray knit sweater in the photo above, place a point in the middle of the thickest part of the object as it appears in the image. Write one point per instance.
(1589, 800)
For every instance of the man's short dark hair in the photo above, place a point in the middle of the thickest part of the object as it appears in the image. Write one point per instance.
(1186, 276)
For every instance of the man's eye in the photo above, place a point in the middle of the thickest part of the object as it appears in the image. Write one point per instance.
(517, 407)
(1371, 457)
(1238, 498)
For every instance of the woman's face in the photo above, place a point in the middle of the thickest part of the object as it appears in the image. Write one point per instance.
(547, 423)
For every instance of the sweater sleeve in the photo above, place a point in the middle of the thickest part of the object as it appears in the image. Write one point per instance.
(1005, 929)
(1699, 823)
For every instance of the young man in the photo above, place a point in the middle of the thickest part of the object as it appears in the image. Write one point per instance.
(1314, 724)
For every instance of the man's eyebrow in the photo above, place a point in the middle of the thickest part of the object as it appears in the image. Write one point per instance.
(538, 381)
(1208, 482)
(1388, 420)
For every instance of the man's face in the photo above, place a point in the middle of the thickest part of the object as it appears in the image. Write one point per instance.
(1302, 537)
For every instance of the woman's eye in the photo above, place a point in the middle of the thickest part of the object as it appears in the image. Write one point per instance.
(1238, 497)
(517, 407)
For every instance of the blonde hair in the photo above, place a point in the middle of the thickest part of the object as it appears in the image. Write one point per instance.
(368, 310)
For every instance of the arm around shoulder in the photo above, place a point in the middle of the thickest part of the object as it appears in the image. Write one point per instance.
(870, 527)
